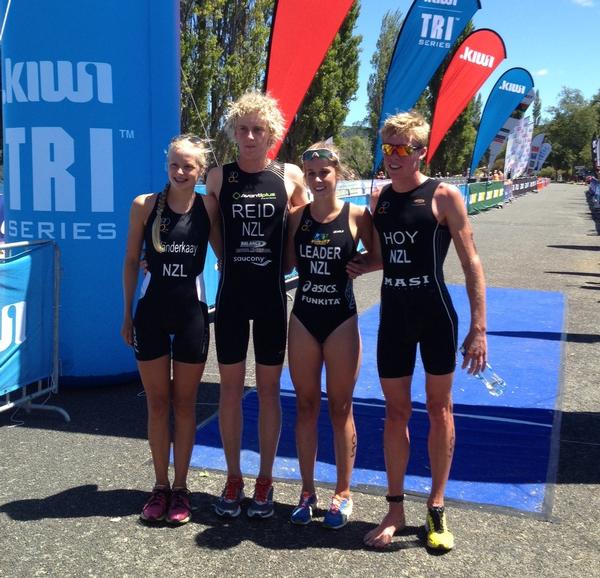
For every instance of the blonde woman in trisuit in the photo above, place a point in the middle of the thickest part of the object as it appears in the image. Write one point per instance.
(171, 319)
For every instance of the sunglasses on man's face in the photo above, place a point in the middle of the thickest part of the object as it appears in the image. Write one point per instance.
(400, 150)
(313, 154)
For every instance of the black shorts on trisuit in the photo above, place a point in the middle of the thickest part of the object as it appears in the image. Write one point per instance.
(324, 297)
(415, 304)
(253, 210)
(171, 315)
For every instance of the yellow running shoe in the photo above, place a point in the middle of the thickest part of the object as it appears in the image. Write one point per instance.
(438, 535)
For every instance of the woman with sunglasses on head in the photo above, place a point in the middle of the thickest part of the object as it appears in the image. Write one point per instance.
(416, 218)
(323, 327)
(171, 318)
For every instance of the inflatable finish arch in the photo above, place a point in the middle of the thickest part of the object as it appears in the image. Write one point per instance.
(90, 101)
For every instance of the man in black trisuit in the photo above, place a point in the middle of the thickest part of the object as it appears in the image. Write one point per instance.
(415, 219)
(254, 195)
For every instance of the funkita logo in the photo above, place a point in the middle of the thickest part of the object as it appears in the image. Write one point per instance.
(475, 57)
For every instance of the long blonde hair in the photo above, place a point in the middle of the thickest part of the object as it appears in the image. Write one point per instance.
(200, 150)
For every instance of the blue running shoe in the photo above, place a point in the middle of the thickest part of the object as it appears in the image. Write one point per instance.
(261, 505)
(302, 514)
(231, 498)
(339, 511)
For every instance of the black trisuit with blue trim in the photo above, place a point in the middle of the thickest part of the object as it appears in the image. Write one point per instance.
(415, 303)
(324, 298)
(251, 285)
(173, 301)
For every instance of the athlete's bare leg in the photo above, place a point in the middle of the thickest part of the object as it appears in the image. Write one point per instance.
(441, 433)
(342, 352)
(186, 378)
(230, 413)
(268, 378)
(156, 377)
(305, 361)
(396, 442)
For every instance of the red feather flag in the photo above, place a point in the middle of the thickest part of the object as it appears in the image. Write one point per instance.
(301, 36)
(474, 61)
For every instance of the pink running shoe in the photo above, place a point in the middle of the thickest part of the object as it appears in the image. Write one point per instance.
(155, 509)
(180, 509)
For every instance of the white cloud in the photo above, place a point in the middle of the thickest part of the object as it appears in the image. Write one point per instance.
(542, 72)
(584, 3)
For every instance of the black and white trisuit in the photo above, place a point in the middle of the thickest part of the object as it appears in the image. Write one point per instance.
(324, 298)
(415, 303)
(253, 210)
(173, 300)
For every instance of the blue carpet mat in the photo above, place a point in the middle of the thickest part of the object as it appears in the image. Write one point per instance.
(505, 453)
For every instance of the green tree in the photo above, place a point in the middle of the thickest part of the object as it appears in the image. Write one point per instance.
(327, 101)
(570, 130)
(380, 63)
(222, 55)
(356, 150)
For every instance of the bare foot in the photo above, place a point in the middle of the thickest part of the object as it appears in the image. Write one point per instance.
(381, 536)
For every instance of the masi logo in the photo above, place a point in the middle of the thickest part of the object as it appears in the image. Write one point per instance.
(512, 87)
(12, 327)
(47, 81)
(475, 57)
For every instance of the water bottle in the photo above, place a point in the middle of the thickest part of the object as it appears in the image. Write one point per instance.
(492, 381)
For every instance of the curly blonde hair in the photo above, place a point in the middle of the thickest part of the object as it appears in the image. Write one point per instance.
(255, 102)
(200, 149)
(411, 124)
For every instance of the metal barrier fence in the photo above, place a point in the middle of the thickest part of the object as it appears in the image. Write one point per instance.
(29, 304)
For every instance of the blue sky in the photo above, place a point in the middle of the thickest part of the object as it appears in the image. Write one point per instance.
(557, 41)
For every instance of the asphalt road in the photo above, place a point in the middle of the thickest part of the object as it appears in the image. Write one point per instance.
(70, 493)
